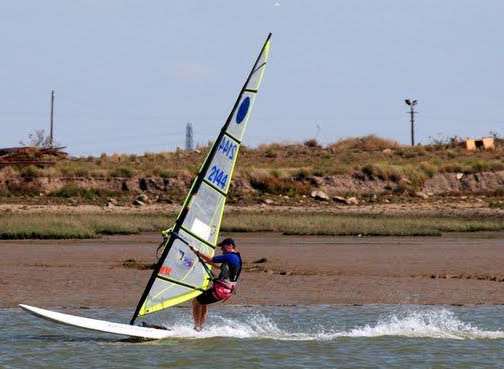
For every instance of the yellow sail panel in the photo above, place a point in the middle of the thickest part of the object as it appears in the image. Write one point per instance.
(149, 308)
(182, 275)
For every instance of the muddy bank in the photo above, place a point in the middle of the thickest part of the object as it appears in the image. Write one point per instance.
(454, 269)
(448, 206)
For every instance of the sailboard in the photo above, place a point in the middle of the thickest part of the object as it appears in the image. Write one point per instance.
(180, 274)
(97, 325)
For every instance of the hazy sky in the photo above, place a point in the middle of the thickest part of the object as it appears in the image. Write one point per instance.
(129, 75)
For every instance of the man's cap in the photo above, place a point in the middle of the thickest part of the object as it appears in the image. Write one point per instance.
(227, 241)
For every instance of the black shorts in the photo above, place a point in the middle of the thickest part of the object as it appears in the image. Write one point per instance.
(207, 297)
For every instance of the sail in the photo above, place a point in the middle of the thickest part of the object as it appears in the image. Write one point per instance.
(180, 275)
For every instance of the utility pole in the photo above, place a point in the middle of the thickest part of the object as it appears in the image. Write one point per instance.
(51, 137)
(412, 103)
(189, 137)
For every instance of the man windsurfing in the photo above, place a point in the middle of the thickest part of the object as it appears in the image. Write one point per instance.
(224, 285)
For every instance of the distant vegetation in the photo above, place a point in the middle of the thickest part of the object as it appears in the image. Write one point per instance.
(279, 169)
(55, 226)
(370, 154)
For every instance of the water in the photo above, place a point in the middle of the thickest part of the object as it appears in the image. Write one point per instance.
(270, 337)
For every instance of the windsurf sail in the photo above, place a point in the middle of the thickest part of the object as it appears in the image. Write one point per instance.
(179, 274)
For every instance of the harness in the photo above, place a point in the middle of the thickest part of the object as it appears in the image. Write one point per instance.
(224, 288)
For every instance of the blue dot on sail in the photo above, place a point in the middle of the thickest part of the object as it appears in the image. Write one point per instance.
(242, 110)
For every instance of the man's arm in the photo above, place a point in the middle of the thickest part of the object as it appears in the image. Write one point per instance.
(206, 258)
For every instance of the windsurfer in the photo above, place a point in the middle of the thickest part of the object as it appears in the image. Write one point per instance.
(230, 265)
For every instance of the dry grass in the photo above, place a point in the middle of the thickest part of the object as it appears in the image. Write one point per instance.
(306, 223)
(65, 226)
(42, 226)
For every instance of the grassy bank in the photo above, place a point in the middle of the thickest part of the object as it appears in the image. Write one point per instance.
(43, 226)
(64, 226)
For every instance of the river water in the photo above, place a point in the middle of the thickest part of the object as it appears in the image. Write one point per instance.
(370, 336)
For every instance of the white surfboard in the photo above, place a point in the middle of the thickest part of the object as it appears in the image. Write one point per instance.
(97, 325)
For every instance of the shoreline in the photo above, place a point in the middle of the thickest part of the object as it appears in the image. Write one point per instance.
(93, 222)
(300, 270)
(434, 208)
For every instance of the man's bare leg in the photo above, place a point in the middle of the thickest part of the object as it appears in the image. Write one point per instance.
(203, 315)
(199, 314)
(195, 313)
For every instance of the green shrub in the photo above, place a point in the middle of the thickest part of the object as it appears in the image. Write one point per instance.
(428, 168)
(30, 172)
(369, 170)
(279, 186)
(163, 173)
(366, 143)
(122, 172)
(301, 174)
(479, 166)
(312, 142)
(73, 191)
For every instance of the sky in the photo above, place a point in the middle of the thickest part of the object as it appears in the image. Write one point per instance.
(129, 75)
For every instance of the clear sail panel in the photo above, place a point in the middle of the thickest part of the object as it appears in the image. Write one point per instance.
(205, 213)
(256, 78)
(257, 73)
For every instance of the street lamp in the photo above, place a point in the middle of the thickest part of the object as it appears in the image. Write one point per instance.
(411, 103)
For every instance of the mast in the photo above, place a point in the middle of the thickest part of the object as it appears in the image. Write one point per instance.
(168, 242)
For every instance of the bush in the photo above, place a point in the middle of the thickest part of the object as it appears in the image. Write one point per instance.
(279, 186)
(30, 172)
(312, 143)
(74, 171)
(122, 172)
(366, 143)
(301, 174)
(428, 168)
(368, 170)
(72, 191)
(165, 173)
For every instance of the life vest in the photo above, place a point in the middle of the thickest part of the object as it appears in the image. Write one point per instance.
(223, 288)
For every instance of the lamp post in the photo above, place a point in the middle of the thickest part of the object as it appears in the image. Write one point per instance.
(412, 103)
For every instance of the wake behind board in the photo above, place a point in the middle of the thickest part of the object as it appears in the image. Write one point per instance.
(97, 325)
